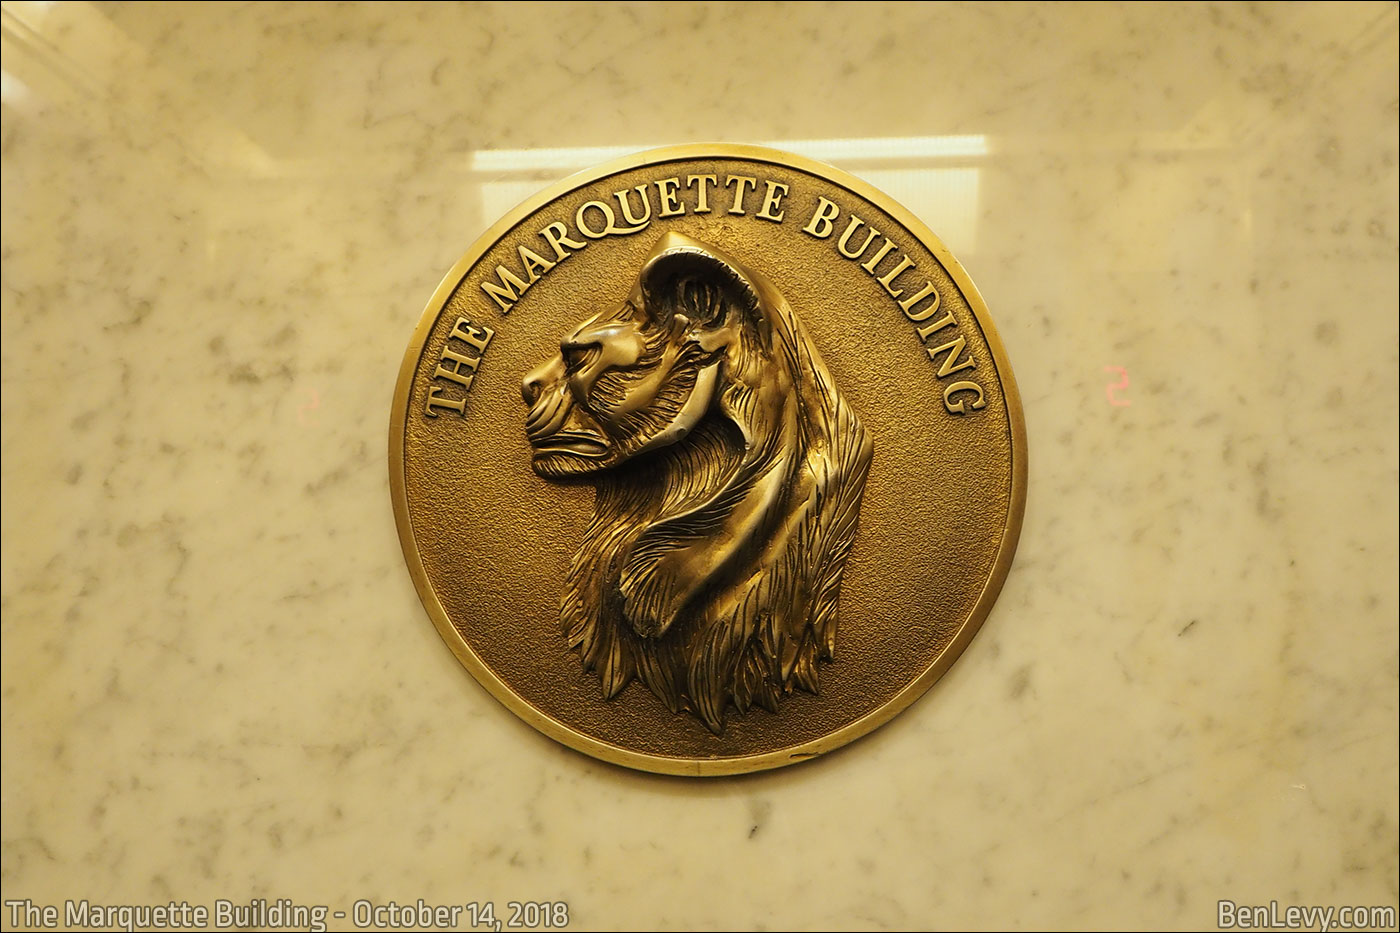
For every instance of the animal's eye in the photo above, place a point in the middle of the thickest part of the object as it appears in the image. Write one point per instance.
(578, 355)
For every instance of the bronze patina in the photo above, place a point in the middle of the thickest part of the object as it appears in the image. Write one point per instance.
(766, 480)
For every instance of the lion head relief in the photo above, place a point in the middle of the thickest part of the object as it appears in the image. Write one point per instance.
(729, 474)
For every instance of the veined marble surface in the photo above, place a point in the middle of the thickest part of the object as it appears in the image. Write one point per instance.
(220, 225)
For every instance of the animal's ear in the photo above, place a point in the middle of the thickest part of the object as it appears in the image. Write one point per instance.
(683, 276)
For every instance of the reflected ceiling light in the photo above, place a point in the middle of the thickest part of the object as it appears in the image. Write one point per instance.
(888, 147)
(873, 149)
(29, 13)
(12, 89)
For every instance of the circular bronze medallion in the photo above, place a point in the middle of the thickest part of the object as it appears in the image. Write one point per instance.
(707, 460)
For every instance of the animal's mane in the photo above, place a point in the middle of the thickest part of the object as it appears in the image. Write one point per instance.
(763, 613)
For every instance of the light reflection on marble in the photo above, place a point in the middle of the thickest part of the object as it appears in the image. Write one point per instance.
(221, 222)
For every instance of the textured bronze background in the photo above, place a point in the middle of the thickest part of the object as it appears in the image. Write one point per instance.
(487, 541)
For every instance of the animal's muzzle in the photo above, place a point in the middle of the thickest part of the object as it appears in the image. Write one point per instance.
(550, 372)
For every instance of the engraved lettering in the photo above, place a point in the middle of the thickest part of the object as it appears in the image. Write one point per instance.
(888, 278)
(507, 291)
(820, 224)
(907, 304)
(936, 326)
(671, 205)
(534, 264)
(457, 367)
(774, 195)
(582, 215)
(702, 202)
(470, 334)
(557, 236)
(609, 228)
(624, 200)
(437, 403)
(741, 183)
(885, 249)
(855, 224)
(958, 408)
(955, 348)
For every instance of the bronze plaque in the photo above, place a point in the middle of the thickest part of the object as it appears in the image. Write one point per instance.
(707, 460)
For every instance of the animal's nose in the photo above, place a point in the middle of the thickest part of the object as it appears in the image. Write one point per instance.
(535, 381)
(530, 389)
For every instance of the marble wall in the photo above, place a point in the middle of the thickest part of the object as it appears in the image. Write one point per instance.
(220, 224)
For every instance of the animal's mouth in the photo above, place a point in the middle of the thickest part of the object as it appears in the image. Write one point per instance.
(544, 426)
(546, 418)
(582, 445)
